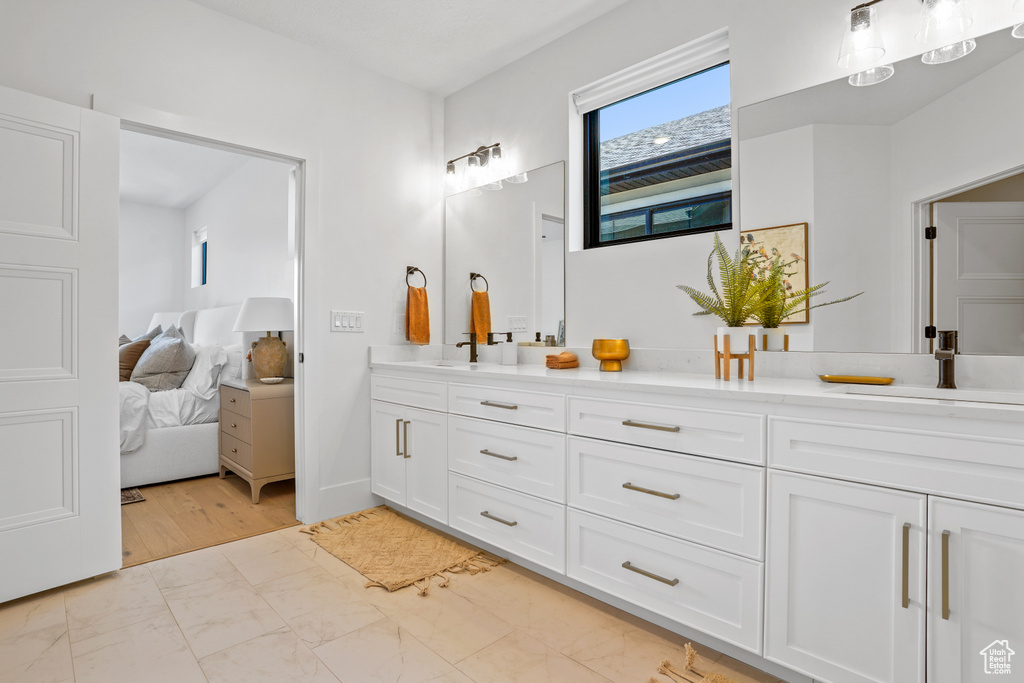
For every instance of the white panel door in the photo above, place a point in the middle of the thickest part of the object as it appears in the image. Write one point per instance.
(845, 580)
(425, 446)
(387, 462)
(975, 599)
(59, 470)
(979, 283)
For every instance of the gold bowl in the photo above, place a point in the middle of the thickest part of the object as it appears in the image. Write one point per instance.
(611, 353)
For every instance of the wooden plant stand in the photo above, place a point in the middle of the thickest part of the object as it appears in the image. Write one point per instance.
(785, 343)
(727, 355)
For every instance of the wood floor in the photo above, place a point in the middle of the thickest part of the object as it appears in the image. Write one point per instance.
(198, 513)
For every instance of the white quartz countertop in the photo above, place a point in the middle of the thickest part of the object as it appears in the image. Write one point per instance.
(988, 405)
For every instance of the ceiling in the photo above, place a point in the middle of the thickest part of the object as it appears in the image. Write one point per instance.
(170, 173)
(436, 45)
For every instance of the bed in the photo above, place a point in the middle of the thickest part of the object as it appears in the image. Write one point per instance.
(168, 435)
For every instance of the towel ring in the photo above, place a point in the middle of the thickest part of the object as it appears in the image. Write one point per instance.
(409, 270)
(474, 276)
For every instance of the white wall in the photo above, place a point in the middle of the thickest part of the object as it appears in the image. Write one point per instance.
(776, 47)
(151, 264)
(180, 65)
(246, 217)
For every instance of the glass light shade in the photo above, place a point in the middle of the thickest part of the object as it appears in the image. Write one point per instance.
(450, 168)
(518, 178)
(259, 313)
(943, 21)
(862, 41)
(495, 153)
(496, 185)
(872, 76)
(950, 52)
(1018, 31)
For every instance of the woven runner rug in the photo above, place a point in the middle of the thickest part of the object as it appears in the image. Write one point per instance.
(393, 552)
(132, 495)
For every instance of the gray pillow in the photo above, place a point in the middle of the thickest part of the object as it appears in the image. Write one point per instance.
(124, 339)
(166, 363)
(152, 334)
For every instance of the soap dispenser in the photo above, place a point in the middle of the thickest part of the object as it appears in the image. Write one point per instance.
(509, 352)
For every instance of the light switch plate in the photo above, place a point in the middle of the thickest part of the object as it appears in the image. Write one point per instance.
(517, 323)
(399, 324)
(347, 321)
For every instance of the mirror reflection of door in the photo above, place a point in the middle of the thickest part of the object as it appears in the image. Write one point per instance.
(551, 289)
(979, 287)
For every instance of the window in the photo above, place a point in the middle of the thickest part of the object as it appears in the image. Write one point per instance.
(659, 164)
(200, 258)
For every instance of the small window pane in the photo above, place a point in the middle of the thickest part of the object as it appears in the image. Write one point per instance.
(695, 217)
(621, 227)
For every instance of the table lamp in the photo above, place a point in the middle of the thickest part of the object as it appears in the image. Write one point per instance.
(266, 313)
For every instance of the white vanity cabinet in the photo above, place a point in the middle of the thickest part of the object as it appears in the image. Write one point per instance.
(409, 446)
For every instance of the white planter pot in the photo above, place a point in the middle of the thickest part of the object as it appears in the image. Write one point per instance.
(738, 338)
(776, 338)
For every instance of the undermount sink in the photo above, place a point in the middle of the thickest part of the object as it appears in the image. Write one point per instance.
(933, 394)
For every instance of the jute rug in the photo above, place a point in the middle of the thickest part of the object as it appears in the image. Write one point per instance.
(690, 673)
(132, 495)
(394, 552)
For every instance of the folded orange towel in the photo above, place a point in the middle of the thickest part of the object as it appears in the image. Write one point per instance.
(563, 366)
(562, 357)
(480, 316)
(417, 316)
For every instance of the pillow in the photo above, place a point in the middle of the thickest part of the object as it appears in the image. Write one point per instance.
(204, 377)
(166, 362)
(233, 367)
(152, 334)
(123, 339)
(128, 356)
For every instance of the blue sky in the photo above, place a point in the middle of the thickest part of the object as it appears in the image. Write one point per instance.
(677, 100)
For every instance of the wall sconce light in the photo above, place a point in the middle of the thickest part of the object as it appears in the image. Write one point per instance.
(476, 159)
(944, 22)
(862, 46)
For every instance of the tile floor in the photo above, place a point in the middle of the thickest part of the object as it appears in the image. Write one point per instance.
(278, 608)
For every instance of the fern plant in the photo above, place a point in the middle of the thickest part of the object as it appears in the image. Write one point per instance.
(779, 304)
(742, 293)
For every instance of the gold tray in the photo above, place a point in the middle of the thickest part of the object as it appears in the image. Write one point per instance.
(855, 379)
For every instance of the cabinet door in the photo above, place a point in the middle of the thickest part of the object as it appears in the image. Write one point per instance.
(975, 574)
(845, 580)
(387, 463)
(425, 447)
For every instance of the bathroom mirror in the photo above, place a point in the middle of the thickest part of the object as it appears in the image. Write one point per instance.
(512, 235)
(869, 168)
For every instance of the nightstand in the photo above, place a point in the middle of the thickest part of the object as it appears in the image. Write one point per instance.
(257, 431)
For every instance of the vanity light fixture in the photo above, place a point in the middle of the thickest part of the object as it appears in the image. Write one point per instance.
(476, 159)
(1018, 30)
(862, 46)
(944, 22)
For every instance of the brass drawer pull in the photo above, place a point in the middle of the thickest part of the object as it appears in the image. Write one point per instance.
(232, 400)
(405, 439)
(233, 424)
(670, 496)
(488, 515)
(234, 450)
(649, 575)
(398, 436)
(945, 575)
(644, 425)
(906, 565)
(506, 406)
(510, 458)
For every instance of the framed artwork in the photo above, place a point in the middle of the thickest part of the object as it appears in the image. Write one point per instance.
(786, 242)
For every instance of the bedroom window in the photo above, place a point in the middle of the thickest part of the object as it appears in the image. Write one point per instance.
(200, 257)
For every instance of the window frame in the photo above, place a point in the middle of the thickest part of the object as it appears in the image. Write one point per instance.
(592, 181)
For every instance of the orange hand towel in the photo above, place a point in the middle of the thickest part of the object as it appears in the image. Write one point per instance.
(562, 357)
(417, 316)
(480, 316)
(564, 366)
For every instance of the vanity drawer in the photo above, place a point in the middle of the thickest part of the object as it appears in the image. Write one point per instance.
(985, 469)
(235, 400)
(733, 436)
(236, 425)
(529, 527)
(711, 502)
(417, 393)
(521, 458)
(527, 408)
(237, 451)
(715, 592)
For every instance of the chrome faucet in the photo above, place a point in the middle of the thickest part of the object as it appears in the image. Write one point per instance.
(949, 346)
(472, 346)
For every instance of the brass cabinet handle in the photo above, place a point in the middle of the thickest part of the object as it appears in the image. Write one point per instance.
(234, 450)
(232, 400)
(945, 575)
(510, 458)
(405, 439)
(649, 575)
(233, 424)
(670, 496)
(644, 425)
(506, 406)
(906, 565)
(398, 436)
(488, 515)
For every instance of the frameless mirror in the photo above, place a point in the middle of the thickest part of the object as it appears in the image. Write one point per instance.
(869, 168)
(513, 236)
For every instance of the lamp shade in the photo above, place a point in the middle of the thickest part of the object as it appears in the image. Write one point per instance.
(264, 313)
(862, 40)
